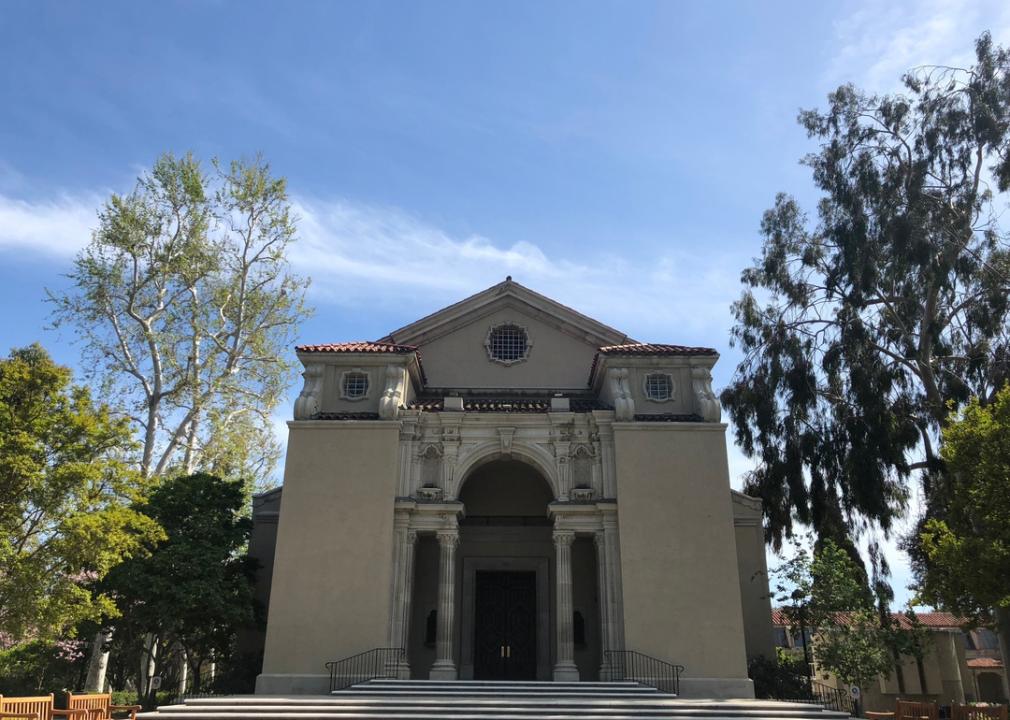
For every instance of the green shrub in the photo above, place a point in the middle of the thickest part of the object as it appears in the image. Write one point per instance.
(778, 679)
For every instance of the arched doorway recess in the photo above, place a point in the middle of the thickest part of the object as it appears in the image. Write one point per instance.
(528, 581)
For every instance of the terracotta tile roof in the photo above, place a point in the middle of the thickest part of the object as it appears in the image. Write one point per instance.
(655, 349)
(669, 417)
(984, 662)
(645, 350)
(346, 416)
(507, 404)
(358, 347)
(935, 620)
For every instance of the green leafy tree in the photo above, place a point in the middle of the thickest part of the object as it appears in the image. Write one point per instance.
(186, 601)
(829, 595)
(961, 553)
(861, 330)
(187, 306)
(66, 495)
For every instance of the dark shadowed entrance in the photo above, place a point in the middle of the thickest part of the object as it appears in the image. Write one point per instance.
(505, 646)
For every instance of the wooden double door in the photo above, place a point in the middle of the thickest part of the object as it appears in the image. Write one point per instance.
(505, 643)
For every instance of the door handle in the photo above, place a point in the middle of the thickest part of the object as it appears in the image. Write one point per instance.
(502, 649)
(508, 651)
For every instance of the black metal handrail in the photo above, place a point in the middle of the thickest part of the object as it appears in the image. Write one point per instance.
(632, 665)
(831, 698)
(369, 665)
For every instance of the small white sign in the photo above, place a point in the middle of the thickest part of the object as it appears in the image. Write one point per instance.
(156, 682)
(854, 690)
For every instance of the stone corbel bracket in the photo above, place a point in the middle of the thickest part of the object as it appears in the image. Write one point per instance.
(309, 401)
(620, 392)
(705, 399)
(392, 394)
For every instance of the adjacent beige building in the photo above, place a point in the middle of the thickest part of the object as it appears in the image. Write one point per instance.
(508, 489)
(958, 664)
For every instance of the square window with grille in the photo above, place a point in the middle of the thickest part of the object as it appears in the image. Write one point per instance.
(658, 387)
(507, 343)
(355, 385)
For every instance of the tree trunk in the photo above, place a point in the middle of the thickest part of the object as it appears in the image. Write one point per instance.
(148, 658)
(98, 664)
(183, 670)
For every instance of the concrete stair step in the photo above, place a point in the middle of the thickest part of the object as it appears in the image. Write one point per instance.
(459, 714)
(487, 700)
(670, 705)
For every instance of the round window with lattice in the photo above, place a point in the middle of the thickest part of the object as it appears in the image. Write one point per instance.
(508, 343)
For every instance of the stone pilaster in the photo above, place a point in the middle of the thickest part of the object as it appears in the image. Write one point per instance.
(615, 592)
(564, 667)
(445, 667)
(603, 589)
(404, 541)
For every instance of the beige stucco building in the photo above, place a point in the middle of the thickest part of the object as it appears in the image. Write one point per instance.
(509, 489)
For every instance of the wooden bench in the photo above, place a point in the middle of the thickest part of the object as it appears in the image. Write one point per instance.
(99, 705)
(978, 712)
(38, 707)
(908, 710)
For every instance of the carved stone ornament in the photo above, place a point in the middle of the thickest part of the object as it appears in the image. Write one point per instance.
(309, 401)
(389, 403)
(583, 494)
(505, 435)
(708, 404)
(431, 494)
(431, 451)
(620, 389)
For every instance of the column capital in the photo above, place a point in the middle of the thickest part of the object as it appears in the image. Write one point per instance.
(599, 538)
(411, 536)
(448, 537)
(563, 537)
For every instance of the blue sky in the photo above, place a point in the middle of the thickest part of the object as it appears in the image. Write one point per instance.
(614, 156)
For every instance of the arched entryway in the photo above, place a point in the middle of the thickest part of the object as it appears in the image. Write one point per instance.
(506, 583)
(990, 687)
(505, 556)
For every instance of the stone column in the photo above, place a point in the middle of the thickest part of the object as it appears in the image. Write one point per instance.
(564, 667)
(444, 667)
(600, 541)
(404, 541)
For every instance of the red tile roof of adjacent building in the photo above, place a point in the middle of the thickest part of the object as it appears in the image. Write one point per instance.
(358, 347)
(984, 662)
(655, 349)
(935, 620)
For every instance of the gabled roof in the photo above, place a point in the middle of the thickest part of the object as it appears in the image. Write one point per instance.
(449, 318)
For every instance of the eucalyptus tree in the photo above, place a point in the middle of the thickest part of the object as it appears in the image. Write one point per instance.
(186, 304)
(864, 328)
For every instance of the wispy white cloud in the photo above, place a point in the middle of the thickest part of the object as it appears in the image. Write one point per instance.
(879, 40)
(57, 227)
(358, 254)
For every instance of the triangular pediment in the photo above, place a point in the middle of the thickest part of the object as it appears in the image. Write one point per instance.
(507, 295)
